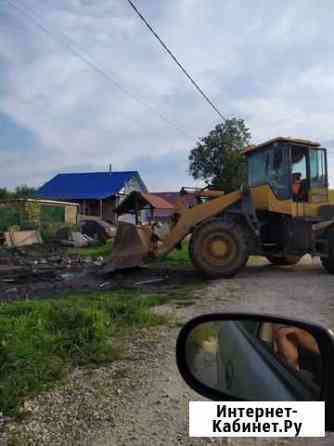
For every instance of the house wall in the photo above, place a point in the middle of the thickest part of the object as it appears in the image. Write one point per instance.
(138, 185)
(71, 215)
(108, 210)
(92, 208)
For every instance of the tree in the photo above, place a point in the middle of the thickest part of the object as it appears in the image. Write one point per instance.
(24, 191)
(4, 193)
(218, 158)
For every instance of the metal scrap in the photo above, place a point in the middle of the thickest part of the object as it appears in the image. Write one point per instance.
(149, 281)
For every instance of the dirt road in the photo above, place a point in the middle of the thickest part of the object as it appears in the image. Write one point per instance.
(150, 405)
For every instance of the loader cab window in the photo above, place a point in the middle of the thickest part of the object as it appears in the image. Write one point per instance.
(299, 174)
(258, 168)
(279, 173)
(271, 166)
(318, 168)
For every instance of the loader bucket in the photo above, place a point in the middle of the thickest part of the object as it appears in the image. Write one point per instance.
(131, 245)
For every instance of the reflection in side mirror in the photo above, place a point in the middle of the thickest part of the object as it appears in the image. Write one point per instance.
(253, 358)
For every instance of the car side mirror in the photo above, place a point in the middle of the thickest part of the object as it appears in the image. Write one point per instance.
(255, 357)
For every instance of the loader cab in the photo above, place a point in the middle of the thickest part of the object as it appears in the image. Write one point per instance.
(295, 169)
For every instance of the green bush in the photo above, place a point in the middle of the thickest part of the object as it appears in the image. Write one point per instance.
(49, 230)
(49, 214)
(10, 217)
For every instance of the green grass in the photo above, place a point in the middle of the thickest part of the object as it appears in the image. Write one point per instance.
(41, 341)
(103, 250)
(178, 256)
(257, 261)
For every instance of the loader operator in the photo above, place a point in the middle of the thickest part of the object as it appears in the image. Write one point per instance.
(297, 189)
(299, 174)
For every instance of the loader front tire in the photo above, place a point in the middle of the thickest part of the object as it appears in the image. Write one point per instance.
(218, 248)
(284, 261)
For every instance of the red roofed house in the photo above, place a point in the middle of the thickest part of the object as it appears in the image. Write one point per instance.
(163, 214)
(153, 206)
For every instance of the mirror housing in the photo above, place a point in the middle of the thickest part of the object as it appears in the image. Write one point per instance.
(324, 339)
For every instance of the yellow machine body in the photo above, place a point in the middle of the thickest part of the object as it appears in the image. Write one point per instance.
(258, 208)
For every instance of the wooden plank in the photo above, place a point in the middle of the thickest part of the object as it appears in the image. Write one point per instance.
(22, 238)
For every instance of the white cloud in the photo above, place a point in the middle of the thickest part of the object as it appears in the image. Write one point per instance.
(265, 61)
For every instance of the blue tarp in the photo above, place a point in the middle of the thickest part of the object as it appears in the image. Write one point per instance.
(81, 186)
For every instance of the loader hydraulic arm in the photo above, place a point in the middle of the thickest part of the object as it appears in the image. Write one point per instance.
(190, 217)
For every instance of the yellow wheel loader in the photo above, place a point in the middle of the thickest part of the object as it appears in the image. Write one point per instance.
(284, 212)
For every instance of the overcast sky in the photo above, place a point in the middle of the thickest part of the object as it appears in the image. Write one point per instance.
(269, 62)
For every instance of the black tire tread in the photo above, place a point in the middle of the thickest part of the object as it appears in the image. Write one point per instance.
(328, 263)
(238, 233)
(284, 261)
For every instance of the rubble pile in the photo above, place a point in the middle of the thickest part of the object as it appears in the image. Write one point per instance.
(35, 267)
(48, 261)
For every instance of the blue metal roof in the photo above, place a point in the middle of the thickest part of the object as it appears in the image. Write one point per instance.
(80, 186)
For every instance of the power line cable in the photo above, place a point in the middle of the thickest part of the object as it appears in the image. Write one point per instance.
(195, 84)
(92, 64)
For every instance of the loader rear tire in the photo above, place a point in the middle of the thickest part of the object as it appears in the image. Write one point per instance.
(218, 248)
(284, 261)
(328, 263)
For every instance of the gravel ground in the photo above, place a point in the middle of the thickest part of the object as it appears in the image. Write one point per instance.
(142, 400)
